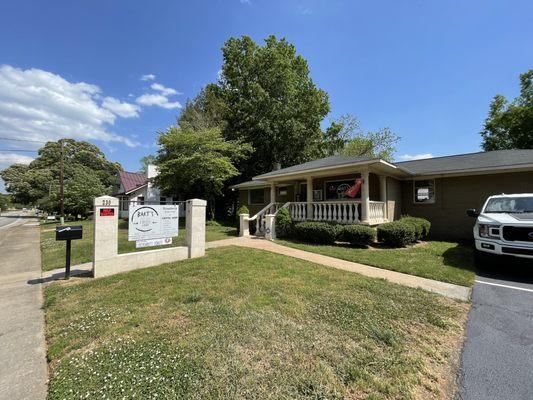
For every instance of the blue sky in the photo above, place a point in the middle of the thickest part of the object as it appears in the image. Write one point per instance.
(426, 69)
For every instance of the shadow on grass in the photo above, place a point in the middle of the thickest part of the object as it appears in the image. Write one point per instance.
(461, 256)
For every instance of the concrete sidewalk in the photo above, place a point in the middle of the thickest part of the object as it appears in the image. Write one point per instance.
(445, 289)
(23, 367)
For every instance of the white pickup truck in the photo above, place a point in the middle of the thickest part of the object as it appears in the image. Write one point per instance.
(504, 227)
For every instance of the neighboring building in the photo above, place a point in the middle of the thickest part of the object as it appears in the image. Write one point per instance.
(372, 191)
(135, 187)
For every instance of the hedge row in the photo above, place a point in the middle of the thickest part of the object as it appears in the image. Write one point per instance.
(399, 233)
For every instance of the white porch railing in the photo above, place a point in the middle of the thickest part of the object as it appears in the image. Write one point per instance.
(344, 212)
(298, 210)
(377, 212)
(271, 208)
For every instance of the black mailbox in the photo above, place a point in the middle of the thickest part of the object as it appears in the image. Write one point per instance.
(73, 232)
(68, 233)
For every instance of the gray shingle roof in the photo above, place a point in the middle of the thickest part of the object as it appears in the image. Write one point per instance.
(465, 162)
(321, 163)
(248, 184)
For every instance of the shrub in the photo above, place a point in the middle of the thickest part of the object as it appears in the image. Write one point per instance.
(396, 233)
(421, 225)
(357, 235)
(283, 223)
(316, 232)
(212, 223)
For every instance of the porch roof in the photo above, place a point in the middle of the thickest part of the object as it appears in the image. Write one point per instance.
(330, 165)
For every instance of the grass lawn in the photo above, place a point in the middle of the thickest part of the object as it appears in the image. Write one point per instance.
(443, 261)
(243, 323)
(53, 252)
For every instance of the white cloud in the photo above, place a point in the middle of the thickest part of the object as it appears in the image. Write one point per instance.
(164, 90)
(148, 77)
(157, 100)
(40, 105)
(122, 109)
(12, 158)
(409, 157)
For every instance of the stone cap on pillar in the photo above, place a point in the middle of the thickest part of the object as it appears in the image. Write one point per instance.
(106, 201)
(197, 202)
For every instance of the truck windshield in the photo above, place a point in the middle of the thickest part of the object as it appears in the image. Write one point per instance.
(510, 205)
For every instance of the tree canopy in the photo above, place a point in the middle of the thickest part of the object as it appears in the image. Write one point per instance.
(265, 97)
(197, 163)
(87, 174)
(509, 125)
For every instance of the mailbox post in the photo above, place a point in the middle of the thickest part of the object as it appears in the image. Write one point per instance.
(69, 233)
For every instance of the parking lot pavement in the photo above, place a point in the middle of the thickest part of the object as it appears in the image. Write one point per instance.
(497, 360)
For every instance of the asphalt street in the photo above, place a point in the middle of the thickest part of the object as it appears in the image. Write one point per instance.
(9, 217)
(497, 360)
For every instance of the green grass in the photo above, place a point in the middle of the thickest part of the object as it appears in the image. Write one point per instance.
(53, 252)
(443, 261)
(243, 323)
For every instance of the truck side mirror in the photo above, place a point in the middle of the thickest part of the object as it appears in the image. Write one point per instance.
(472, 213)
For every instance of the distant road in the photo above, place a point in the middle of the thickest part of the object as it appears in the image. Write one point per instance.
(10, 217)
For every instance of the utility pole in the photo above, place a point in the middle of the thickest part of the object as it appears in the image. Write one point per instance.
(61, 181)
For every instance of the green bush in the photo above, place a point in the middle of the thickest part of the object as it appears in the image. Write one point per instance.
(357, 235)
(396, 233)
(421, 225)
(316, 232)
(212, 223)
(283, 223)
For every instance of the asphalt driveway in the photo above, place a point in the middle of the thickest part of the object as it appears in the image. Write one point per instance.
(497, 360)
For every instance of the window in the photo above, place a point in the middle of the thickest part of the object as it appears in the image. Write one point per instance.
(140, 200)
(282, 191)
(256, 196)
(336, 190)
(424, 191)
(162, 200)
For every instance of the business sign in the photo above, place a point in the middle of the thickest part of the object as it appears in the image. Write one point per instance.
(107, 212)
(148, 222)
(139, 244)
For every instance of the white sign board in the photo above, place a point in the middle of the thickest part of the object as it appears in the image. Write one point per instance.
(139, 244)
(148, 222)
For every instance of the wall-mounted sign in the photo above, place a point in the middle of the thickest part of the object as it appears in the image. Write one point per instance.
(107, 212)
(139, 244)
(148, 222)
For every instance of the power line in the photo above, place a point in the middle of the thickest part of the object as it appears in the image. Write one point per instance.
(22, 140)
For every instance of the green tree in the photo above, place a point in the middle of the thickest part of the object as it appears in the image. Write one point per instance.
(344, 136)
(5, 201)
(196, 163)
(205, 111)
(270, 102)
(146, 161)
(510, 125)
(87, 174)
(379, 144)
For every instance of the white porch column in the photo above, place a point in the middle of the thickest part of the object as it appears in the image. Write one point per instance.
(309, 189)
(272, 192)
(365, 197)
(383, 193)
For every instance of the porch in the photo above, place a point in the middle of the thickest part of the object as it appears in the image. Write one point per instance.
(356, 198)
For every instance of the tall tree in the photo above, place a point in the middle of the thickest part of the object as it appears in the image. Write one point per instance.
(345, 136)
(270, 102)
(146, 161)
(197, 163)
(87, 174)
(510, 125)
(205, 111)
